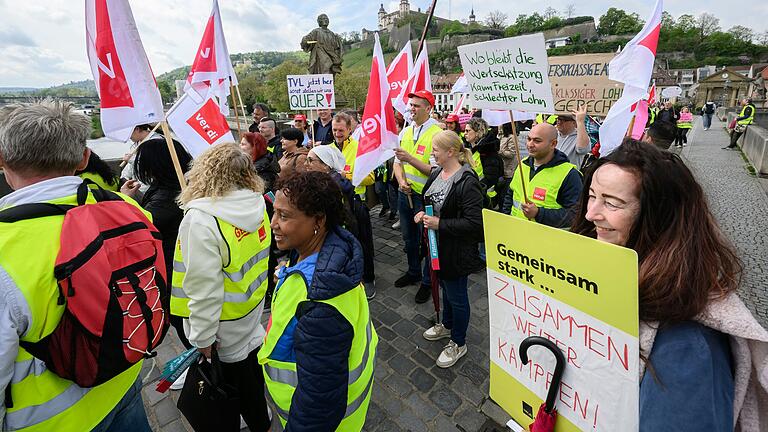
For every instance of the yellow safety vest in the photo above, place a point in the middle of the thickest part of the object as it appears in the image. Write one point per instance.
(542, 189)
(749, 120)
(551, 119)
(349, 151)
(281, 377)
(684, 124)
(99, 181)
(245, 276)
(652, 114)
(421, 149)
(43, 401)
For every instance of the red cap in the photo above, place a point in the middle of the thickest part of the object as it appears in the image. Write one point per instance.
(452, 118)
(301, 117)
(424, 94)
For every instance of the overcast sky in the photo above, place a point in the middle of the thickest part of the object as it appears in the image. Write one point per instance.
(43, 41)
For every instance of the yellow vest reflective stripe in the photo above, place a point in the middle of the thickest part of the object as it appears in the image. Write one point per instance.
(281, 378)
(542, 189)
(422, 149)
(749, 120)
(478, 166)
(349, 151)
(43, 401)
(245, 277)
(684, 124)
(551, 118)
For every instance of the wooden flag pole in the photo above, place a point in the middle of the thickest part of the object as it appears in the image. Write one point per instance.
(135, 149)
(242, 106)
(237, 117)
(426, 27)
(174, 157)
(517, 153)
(311, 127)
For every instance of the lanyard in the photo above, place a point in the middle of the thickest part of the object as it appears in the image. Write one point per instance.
(416, 137)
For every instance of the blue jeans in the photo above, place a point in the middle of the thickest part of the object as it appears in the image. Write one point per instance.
(128, 415)
(412, 235)
(456, 308)
(707, 120)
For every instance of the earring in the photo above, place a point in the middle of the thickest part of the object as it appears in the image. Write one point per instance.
(315, 230)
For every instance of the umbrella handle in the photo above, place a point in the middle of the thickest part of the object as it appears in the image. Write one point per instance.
(559, 366)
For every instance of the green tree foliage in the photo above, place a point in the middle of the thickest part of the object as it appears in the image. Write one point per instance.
(741, 33)
(276, 86)
(617, 22)
(167, 91)
(352, 86)
(453, 27)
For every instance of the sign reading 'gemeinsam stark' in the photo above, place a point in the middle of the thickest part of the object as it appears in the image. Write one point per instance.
(311, 92)
(580, 294)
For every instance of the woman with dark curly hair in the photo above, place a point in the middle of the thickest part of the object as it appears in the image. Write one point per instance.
(318, 354)
(705, 358)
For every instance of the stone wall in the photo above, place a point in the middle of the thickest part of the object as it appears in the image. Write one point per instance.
(586, 30)
(754, 144)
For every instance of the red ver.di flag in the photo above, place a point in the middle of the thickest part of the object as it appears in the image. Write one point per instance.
(378, 138)
(121, 71)
(212, 72)
(199, 125)
(399, 71)
(419, 79)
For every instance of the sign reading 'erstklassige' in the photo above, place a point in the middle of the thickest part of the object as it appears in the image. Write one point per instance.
(508, 74)
(582, 81)
(580, 294)
(311, 92)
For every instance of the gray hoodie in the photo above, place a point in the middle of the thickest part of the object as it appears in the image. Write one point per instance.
(205, 253)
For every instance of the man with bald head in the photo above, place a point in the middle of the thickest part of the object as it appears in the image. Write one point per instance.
(552, 183)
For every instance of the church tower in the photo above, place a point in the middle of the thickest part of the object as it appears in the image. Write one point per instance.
(382, 13)
(405, 8)
(472, 16)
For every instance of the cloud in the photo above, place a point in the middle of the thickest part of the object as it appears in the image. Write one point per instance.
(12, 36)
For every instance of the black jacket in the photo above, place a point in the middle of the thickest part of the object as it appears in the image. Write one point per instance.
(268, 168)
(668, 115)
(493, 165)
(567, 196)
(277, 147)
(328, 138)
(166, 216)
(461, 226)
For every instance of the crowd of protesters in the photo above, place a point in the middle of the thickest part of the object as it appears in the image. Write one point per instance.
(275, 226)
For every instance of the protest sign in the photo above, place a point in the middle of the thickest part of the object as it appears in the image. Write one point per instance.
(582, 295)
(672, 92)
(311, 92)
(582, 80)
(508, 74)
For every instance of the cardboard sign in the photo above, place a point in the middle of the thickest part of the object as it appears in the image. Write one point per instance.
(579, 80)
(582, 295)
(311, 92)
(508, 74)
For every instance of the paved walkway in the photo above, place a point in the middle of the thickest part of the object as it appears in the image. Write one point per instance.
(410, 393)
(740, 206)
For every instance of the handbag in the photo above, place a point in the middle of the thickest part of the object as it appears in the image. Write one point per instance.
(207, 401)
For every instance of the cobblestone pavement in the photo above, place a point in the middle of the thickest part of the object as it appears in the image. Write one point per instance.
(740, 205)
(410, 393)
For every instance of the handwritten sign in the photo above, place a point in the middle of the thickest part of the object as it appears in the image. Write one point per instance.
(311, 92)
(671, 92)
(582, 295)
(582, 80)
(508, 74)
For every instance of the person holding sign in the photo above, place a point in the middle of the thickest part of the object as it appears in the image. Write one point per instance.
(552, 183)
(701, 350)
(454, 191)
(413, 165)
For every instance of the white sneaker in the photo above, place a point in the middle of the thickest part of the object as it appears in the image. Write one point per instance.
(437, 332)
(243, 424)
(179, 383)
(451, 354)
(396, 225)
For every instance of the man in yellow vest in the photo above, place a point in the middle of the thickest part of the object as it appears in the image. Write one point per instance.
(343, 140)
(413, 164)
(36, 399)
(552, 183)
(746, 117)
(546, 118)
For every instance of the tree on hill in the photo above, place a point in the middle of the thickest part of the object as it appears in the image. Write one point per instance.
(744, 34)
(569, 11)
(707, 24)
(496, 19)
(276, 86)
(452, 27)
(617, 22)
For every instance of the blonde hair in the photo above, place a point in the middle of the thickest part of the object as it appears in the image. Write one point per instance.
(449, 140)
(219, 170)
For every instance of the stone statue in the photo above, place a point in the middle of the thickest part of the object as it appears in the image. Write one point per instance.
(324, 47)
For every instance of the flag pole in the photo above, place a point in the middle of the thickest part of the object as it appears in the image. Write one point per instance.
(237, 117)
(174, 157)
(311, 127)
(242, 106)
(519, 158)
(135, 149)
(426, 27)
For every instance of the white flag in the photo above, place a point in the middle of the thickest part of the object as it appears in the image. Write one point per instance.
(199, 125)
(121, 71)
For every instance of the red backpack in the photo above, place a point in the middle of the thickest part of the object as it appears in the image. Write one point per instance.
(111, 276)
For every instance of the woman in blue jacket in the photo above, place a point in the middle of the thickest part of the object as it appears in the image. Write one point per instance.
(700, 348)
(320, 346)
